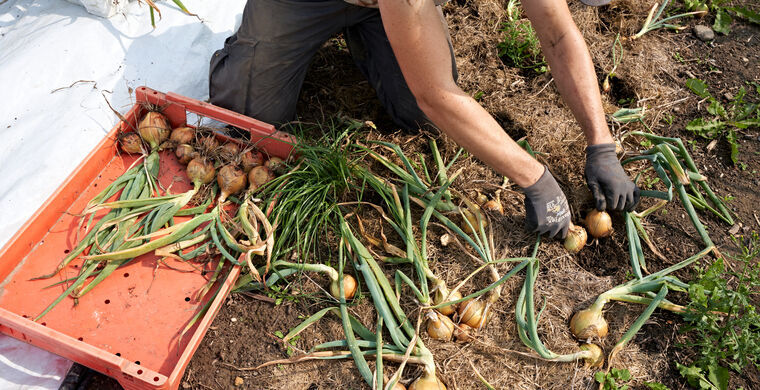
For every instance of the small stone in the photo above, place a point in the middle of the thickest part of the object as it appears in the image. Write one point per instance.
(239, 381)
(445, 239)
(704, 33)
(728, 96)
(233, 319)
(186, 385)
(745, 59)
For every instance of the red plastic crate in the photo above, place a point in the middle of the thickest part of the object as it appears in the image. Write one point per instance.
(128, 327)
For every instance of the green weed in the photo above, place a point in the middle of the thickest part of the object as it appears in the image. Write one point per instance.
(520, 46)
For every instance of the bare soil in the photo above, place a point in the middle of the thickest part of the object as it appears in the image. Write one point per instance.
(652, 74)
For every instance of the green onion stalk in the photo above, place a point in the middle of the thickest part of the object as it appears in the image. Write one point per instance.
(527, 323)
(653, 21)
(590, 322)
(404, 346)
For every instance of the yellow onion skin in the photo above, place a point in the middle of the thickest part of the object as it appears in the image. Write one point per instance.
(471, 313)
(597, 356)
(276, 165)
(463, 334)
(258, 176)
(588, 323)
(229, 151)
(131, 143)
(576, 239)
(349, 287)
(250, 159)
(599, 224)
(154, 128)
(473, 221)
(398, 386)
(201, 170)
(185, 153)
(439, 326)
(494, 205)
(440, 297)
(427, 382)
(182, 135)
(231, 180)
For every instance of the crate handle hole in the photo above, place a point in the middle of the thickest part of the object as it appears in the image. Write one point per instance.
(66, 251)
(187, 299)
(80, 338)
(108, 301)
(118, 354)
(139, 372)
(44, 324)
(126, 274)
(155, 379)
(138, 363)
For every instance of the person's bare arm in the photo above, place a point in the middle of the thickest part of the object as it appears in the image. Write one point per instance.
(571, 65)
(418, 39)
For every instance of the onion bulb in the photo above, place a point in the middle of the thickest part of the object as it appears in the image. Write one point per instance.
(398, 386)
(588, 323)
(229, 151)
(276, 165)
(439, 326)
(258, 176)
(154, 128)
(231, 180)
(182, 135)
(576, 239)
(209, 143)
(131, 143)
(481, 199)
(463, 333)
(201, 171)
(599, 224)
(494, 205)
(427, 382)
(440, 297)
(349, 287)
(472, 218)
(606, 87)
(597, 357)
(250, 159)
(471, 313)
(185, 153)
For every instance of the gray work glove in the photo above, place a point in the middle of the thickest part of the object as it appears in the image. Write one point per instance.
(611, 187)
(546, 209)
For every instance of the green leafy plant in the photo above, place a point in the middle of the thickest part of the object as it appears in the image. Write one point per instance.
(615, 379)
(520, 46)
(656, 386)
(725, 121)
(722, 317)
(716, 377)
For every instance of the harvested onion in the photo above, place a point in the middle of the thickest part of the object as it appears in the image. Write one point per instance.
(463, 333)
(596, 360)
(439, 326)
(441, 297)
(154, 128)
(599, 224)
(471, 313)
(231, 180)
(473, 219)
(250, 159)
(258, 176)
(182, 135)
(576, 239)
(588, 323)
(185, 153)
(131, 143)
(494, 205)
(276, 165)
(349, 287)
(427, 382)
(201, 171)
(209, 143)
(229, 151)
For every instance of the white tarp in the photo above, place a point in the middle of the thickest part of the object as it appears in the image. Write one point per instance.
(57, 62)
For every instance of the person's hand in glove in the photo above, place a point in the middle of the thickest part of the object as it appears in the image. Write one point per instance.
(608, 182)
(546, 209)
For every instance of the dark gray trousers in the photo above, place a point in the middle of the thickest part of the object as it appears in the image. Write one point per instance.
(261, 68)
